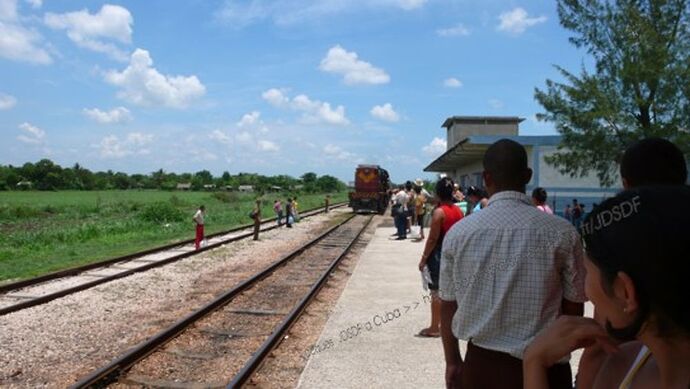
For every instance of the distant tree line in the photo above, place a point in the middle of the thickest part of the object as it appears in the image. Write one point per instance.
(46, 175)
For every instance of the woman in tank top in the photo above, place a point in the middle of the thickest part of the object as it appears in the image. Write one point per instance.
(637, 265)
(445, 215)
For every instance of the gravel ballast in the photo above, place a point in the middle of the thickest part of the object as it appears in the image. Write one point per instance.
(54, 344)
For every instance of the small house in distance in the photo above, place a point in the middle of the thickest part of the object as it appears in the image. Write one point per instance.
(245, 188)
(468, 138)
(25, 185)
(184, 186)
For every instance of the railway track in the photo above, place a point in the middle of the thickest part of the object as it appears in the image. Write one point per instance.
(224, 342)
(40, 290)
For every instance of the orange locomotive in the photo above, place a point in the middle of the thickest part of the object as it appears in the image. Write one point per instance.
(372, 186)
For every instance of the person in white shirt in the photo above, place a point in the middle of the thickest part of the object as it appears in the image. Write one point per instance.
(199, 220)
(399, 211)
(507, 272)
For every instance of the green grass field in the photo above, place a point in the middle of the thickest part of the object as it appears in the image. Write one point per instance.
(42, 232)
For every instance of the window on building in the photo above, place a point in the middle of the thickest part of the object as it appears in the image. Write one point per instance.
(463, 181)
(477, 179)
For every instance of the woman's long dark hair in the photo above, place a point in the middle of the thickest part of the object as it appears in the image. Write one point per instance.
(645, 233)
(444, 189)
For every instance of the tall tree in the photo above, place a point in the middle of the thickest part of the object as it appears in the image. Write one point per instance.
(639, 87)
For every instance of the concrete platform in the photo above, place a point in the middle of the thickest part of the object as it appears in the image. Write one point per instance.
(385, 298)
(369, 341)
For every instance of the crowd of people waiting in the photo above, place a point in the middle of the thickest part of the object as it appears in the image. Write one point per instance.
(512, 280)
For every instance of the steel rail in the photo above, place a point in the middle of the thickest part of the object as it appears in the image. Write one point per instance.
(61, 293)
(78, 269)
(114, 369)
(276, 337)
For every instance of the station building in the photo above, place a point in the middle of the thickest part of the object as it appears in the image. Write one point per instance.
(468, 138)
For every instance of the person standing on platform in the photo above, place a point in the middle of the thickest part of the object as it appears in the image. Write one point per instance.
(199, 220)
(399, 212)
(637, 269)
(445, 215)
(420, 210)
(478, 197)
(576, 214)
(459, 199)
(506, 274)
(568, 213)
(410, 216)
(648, 162)
(539, 200)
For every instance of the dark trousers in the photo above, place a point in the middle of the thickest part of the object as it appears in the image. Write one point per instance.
(488, 369)
(401, 224)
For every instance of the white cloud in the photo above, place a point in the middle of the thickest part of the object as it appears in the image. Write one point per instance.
(8, 10)
(249, 119)
(496, 103)
(7, 102)
(220, 137)
(275, 97)
(133, 144)
(452, 83)
(201, 155)
(459, 30)
(338, 153)
(114, 116)
(410, 4)
(32, 134)
(18, 43)
(244, 137)
(142, 84)
(35, 4)
(314, 111)
(517, 21)
(436, 147)
(240, 14)
(139, 139)
(385, 112)
(354, 70)
(112, 22)
(267, 145)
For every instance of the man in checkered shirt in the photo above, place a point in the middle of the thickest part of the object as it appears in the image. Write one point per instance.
(506, 273)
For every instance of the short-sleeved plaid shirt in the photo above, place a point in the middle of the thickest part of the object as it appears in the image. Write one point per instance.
(509, 267)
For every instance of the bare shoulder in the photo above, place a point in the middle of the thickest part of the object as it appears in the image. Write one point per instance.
(616, 366)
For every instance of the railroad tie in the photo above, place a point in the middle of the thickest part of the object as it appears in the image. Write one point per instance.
(150, 382)
(258, 312)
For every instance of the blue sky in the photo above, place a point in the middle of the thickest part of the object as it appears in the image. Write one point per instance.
(274, 87)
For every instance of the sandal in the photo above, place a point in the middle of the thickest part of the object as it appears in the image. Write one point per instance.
(425, 333)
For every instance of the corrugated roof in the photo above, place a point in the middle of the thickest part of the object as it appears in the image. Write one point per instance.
(481, 120)
(472, 148)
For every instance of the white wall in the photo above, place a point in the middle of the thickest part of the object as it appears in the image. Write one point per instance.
(460, 131)
(549, 176)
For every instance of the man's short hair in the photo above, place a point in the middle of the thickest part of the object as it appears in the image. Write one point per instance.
(506, 161)
(653, 161)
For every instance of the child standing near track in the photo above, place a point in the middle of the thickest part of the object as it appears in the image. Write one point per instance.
(199, 220)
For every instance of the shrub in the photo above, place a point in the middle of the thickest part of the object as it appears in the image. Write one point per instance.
(226, 197)
(178, 202)
(161, 212)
